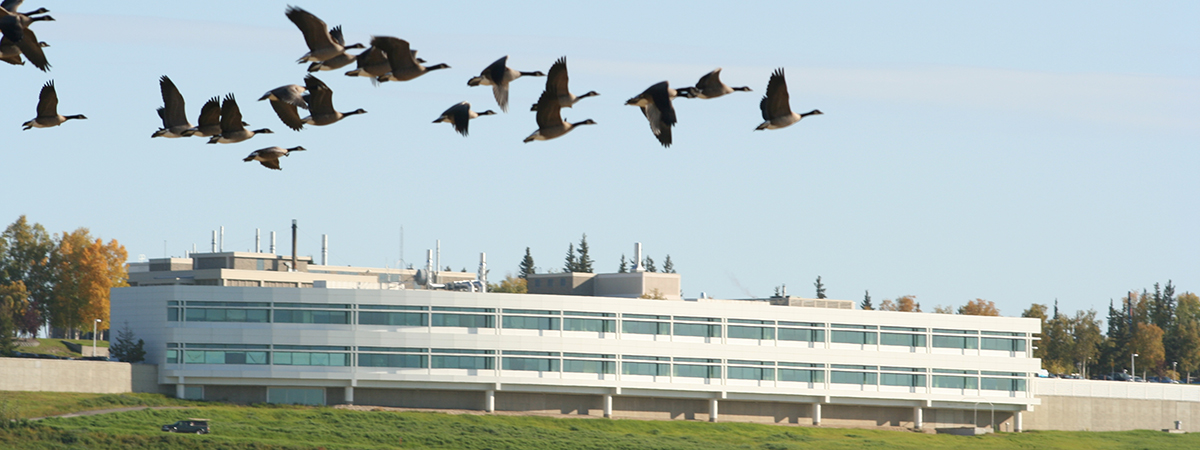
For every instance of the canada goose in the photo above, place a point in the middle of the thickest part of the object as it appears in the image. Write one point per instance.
(284, 100)
(776, 110)
(47, 110)
(709, 86)
(320, 100)
(209, 122)
(558, 77)
(460, 116)
(498, 75)
(372, 63)
(232, 128)
(335, 62)
(15, 27)
(656, 105)
(403, 61)
(269, 157)
(321, 44)
(173, 114)
(549, 120)
(11, 53)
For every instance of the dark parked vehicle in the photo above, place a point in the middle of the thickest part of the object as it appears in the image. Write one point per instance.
(198, 426)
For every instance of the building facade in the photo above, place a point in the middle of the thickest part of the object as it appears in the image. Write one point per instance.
(570, 354)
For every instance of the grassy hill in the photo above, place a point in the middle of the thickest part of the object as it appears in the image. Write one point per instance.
(287, 427)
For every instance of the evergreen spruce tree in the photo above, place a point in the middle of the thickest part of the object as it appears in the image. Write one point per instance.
(648, 264)
(570, 265)
(583, 262)
(820, 287)
(624, 265)
(526, 267)
(866, 302)
(668, 266)
(125, 350)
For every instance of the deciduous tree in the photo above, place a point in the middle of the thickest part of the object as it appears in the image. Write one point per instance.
(14, 301)
(1148, 344)
(84, 271)
(943, 309)
(979, 307)
(1187, 332)
(1038, 311)
(510, 285)
(27, 259)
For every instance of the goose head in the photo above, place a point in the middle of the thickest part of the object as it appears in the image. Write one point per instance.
(46, 18)
(357, 111)
(358, 45)
(589, 94)
(487, 113)
(37, 11)
(264, 131)
(815, 112)
(295, 149)
(438, 66)
(743, 88)
(77, 116)
(586, 122)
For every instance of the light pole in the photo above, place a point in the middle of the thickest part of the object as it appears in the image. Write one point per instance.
(1174, 365)
(1132, 366)
(97, 322)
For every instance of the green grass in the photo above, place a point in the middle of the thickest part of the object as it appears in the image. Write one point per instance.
(270, 427)
(25, 405)
(57, 348)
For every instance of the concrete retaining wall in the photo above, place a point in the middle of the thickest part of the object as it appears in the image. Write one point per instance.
(57, 375)
(1111, 414)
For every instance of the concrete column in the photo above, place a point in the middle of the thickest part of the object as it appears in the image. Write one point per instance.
(608, 406)
(918, 418)
(1017, 425)
(816, 414)
(712, 410)
(489, 403)
(179, 389)
(349, 395)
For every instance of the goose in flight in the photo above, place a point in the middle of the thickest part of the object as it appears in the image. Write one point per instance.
(336, 62)
(269, 157)
(776, 108)
(232, 128)
(549, 120)
(498, 75)
(460, 115)
(558, 78)
(11, 53)
(209, 122)
(172, 113)
(47, 110)
(320, 104)
(710, 86)
(403, 61)
(285, 100)
(322, 45)
(15, 28)
(655, 103)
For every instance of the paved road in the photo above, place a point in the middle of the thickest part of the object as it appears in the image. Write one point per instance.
(113, 410)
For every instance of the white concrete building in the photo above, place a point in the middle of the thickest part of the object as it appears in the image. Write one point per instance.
(624, 357)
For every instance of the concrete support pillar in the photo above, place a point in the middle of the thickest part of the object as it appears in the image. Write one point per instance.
(608, 406)
(712, 410)
(349, 397)
(179, 389)
(489, 401)
(816, 414)
(918, 418)
(1017, 425)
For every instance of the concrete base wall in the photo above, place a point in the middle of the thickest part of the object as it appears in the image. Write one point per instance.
(765, 412)
(54, 375)
(1111, 414)
(660, 408)
(144, 378)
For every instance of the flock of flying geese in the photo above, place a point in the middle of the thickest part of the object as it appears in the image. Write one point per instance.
(387, 59)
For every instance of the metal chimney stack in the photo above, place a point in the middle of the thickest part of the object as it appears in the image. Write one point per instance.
(438, 267)
(637, 257)
(483, 271)
(222, 247)
(272, 242)
(257, 241)
(214, 241)
(428, 268)
(324, 249)
(293, 245)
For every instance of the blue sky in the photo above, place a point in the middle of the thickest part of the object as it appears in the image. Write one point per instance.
(1017, 152)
